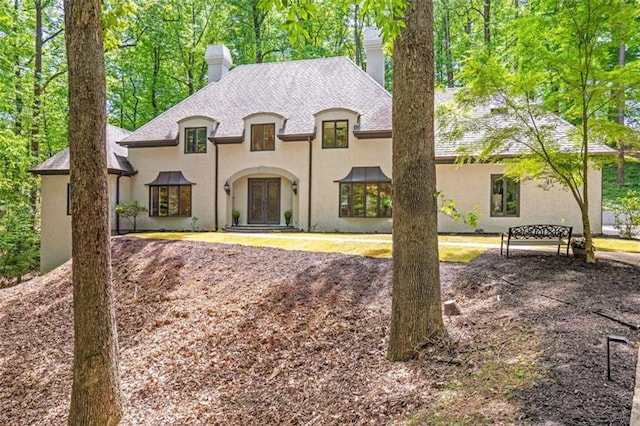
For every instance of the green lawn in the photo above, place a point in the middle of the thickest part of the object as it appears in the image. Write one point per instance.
(452, 248)
(371, 245)
(617, 244)
(611, 192)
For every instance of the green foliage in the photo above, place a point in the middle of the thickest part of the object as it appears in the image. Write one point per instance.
(288, 214)
(131, 211)
(627, 215)
(235, 214)
(560, 61)
(450, 209)
(611, 191)
(19, 244)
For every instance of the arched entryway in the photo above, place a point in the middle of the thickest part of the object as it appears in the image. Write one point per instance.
(262, 196)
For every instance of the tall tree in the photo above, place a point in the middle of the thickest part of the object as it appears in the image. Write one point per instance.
(416, 312)
(95, 397)
(416, 302)
(563, 56)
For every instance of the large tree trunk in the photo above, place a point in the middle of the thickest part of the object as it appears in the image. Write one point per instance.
(416, 313)
(95, 397)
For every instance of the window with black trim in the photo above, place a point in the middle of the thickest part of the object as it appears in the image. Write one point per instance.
(170, 200)
(335, 134)
(195, 140)
(366, 199)
(505, 196)
(263, 137)
(68, 199)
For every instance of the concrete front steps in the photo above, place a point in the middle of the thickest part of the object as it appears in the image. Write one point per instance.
(260, 228)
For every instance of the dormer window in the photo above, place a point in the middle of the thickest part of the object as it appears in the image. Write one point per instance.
(263, 137)
(335, 134)
(195, 140)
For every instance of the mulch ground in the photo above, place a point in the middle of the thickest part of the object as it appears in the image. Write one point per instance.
(223, 334)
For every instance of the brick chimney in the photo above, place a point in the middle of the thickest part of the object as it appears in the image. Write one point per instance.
(218, 58)
(375, 55)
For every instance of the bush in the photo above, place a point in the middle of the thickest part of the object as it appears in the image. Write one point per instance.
(131, 211)
(626, 215)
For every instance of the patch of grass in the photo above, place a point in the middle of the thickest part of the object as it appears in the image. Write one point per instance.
(617, 244)
(370, 245)
(611, 192)
(502, 364)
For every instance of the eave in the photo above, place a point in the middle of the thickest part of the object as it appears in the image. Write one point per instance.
(296, 137)
(62, 172)
(227, 140)
(372, 134)
(149, 144)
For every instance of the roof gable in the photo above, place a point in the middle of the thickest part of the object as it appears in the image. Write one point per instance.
(116, 157)
(295, 90)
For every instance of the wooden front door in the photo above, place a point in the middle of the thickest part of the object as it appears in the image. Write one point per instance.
(264, 201)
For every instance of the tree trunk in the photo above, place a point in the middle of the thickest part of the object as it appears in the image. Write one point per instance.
(486, 13)
(584, 207)
(356, 35)
(95, 396)
(258, 17)
(36, 112)
(448, 57)
(37, 84)
(621, 101)
(17, 74)
(416, 312)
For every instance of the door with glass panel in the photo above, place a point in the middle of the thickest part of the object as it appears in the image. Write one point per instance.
(264, 201)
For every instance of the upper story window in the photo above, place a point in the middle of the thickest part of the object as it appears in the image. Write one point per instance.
(263, 137)
(335, 134)
(505, 196)
(195, 140)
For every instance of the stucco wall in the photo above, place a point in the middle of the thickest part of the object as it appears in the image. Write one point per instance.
(334, 164)
(55, 235)
(197, 168)
(470, 185)
(467, 185)
(289, 162)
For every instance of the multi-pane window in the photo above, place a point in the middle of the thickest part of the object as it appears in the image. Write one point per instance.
(366, 199)
(170, 200)
(335, 134)
(263, 137)
(195, 140)
(505, 196)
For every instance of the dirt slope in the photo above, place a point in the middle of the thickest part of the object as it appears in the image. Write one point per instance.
(220, 334)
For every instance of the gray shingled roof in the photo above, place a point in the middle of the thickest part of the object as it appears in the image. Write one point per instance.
(295, 90)
(116, 157)
(481, 122)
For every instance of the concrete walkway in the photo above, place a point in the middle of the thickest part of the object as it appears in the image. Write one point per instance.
(630, 258)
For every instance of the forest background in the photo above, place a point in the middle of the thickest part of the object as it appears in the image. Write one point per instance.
(155, 58)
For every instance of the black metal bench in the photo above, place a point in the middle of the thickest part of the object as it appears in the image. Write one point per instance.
(530, 235)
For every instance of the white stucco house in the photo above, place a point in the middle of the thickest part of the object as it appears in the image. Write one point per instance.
(312, 137)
